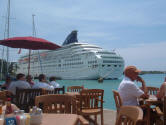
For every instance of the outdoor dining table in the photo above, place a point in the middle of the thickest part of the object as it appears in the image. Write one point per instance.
(74, 94)
(151, 102)
(60, 119)
(63, 119)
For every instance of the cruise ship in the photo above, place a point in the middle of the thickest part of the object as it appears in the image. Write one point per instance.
(74, 60)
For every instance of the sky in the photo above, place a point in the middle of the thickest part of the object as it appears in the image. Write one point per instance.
(135, 29)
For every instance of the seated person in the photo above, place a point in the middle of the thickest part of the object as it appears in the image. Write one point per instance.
(160, 95)
(162, 92)
(14, 108)
(29, 80)
(53, 82)
(128, 90)
(20, 83)
(43, 83)
(7, 83)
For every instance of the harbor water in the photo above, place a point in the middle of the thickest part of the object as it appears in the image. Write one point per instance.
(108, 85)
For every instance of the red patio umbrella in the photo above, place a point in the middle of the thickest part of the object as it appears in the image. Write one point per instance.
(29, 43)
(32, 43)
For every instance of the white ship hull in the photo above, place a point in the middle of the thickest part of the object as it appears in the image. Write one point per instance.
(89, 74)
(76, 64)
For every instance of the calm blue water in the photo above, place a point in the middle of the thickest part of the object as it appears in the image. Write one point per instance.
(150, 79)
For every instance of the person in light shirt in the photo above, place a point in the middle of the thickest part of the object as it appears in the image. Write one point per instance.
(53, 82)
(20, 83)
(29, 80)
(43, 83)
(162, 92)
(128, 90)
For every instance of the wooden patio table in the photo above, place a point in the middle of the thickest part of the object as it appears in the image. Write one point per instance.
(151, 101)
(63, 119)
(60, 119)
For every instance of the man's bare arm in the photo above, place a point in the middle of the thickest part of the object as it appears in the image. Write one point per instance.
(144, 88)
(160, 93)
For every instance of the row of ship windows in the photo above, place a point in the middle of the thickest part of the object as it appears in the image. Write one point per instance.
(55, 58)
(106, 52)
(70, 64)
(77, 63)
(73, 59)
(114, 57)
(112, 65)
(90, 62)
(59, 65)
(93, 66)
(110, 61)
(67, 60)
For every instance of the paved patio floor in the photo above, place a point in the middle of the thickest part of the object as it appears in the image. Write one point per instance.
(109, 117)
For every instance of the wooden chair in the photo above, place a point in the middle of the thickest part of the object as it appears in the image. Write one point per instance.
(25, 98)
(152, 90)
(55, 91)
(118, 100)
(90, 102)
(129, 115)
(119, 103)
(162, 112)
(55, 103)
(75, 88)
(59, 90)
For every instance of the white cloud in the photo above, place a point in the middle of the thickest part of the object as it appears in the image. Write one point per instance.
(134, 13)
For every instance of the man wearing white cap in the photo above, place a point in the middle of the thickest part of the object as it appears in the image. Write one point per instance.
(128, 90)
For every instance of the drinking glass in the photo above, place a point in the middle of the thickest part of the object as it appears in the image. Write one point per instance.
(1, 107)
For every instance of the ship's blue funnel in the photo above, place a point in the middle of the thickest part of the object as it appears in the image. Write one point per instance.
(71, 38)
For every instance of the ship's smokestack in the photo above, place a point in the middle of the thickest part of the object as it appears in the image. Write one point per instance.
(71, 38)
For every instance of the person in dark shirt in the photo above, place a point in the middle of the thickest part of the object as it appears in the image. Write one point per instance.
(7, 83)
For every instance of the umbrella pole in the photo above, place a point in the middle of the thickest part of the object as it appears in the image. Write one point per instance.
(8, 29)
(29, 62)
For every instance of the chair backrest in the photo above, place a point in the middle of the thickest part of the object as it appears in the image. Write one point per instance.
(54, 103)
(164, 110)
(91, 99)
(55, 91)
(118, 100)
(152, 90)
(75, 88)
(129, 115)
(26, 97)
(59, 90)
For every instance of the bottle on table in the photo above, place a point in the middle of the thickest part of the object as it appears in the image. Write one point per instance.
(9, 109)
(1, 104)
(22, 118)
